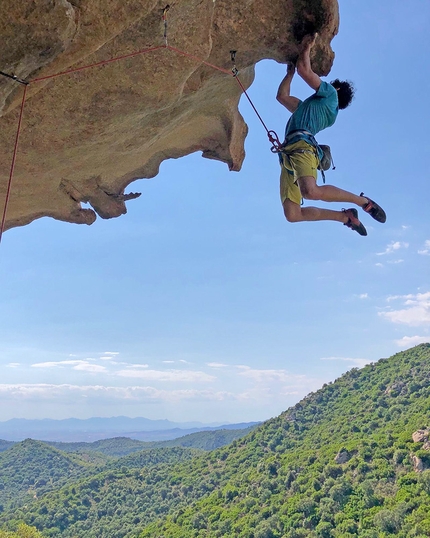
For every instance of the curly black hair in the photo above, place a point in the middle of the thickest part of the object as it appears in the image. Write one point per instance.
(345, 92)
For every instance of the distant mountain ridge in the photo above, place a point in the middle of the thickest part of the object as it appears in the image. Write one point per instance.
(118, 447)
(122, 446)
(96, 428)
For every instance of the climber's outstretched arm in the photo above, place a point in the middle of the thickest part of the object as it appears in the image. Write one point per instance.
(304, 68)
(283, 95)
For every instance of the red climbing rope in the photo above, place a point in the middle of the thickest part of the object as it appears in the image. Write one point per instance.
(97, 64)
(226, 71)
(273, 137)
(12, 168)
(252, 104)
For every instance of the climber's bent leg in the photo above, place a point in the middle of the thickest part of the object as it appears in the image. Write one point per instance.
(295, 213)
(328, 193)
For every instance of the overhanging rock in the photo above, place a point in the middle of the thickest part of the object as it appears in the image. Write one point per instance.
(87, 135)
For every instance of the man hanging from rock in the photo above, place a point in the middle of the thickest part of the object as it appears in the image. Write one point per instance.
(301, 155)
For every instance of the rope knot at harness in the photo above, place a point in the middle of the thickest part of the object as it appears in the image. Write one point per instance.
(274, 140)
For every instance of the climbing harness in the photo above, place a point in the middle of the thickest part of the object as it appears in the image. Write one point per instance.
(273, 137)
(325, 161)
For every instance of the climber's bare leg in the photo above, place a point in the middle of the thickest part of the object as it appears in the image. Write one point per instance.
(295, 213)
(327, 193)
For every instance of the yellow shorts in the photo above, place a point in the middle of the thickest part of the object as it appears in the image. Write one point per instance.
(295, 166)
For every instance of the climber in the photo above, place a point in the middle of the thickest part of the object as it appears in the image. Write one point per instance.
(301, 155)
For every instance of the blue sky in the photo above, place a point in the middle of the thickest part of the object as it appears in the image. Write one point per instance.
(203, 303)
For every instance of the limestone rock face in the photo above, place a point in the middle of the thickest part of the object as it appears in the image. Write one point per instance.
(342, 457)
(421, 436)
(87, 135)
(417, 463)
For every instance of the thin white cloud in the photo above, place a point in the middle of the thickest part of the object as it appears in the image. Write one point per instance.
(110, 352)
(79, 365)
(86, 367)
(393, 262)
(217, 365)
(267, 375)
(410, 341)
(66, 393)
(394, 298)
(359, 363)
(56, 364)
(167, 375)
(363, 296)
(379, 265)
(269, 386)
(425, 251)
(168, 362)
(416, 311)
(13, 365)
(393, 247)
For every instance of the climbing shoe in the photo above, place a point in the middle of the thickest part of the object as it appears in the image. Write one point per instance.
(374, 209)
(353, 221)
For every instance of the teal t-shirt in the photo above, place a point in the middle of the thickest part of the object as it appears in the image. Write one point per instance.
(315, 113)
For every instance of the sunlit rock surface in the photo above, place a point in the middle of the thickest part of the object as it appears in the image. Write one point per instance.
(86, 136)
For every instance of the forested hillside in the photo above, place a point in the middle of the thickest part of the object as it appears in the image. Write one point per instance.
(116, 447)
(153, 457)
(341, 463)
(22, 531)
(5, 445)
(31, 468)
(208, 440)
